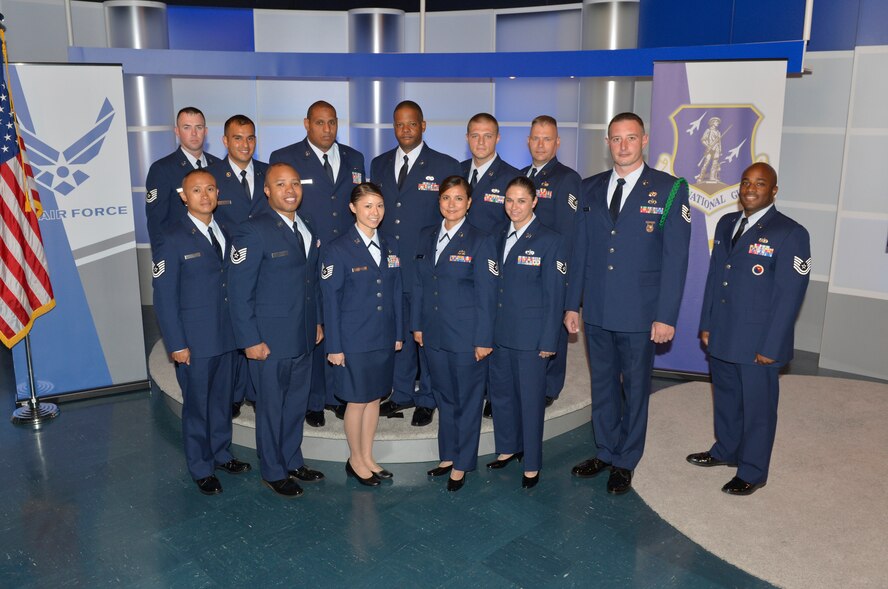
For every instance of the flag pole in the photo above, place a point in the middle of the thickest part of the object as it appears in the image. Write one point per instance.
(34, 412)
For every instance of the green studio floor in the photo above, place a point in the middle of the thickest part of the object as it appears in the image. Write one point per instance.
(100, 497)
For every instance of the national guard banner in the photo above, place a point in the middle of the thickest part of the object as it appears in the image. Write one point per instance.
(72, 120)
(709, 122)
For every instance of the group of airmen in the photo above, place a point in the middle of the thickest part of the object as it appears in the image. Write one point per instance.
(302, 285)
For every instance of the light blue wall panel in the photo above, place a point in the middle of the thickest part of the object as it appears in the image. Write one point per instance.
(539, 31)
(821, 225)
(449, 139)
(301, 31)
(218, 99)
(864, 184)
(450, 101)
(820, 99)
(860, 259)
(273, 136)
(872, 87)
(521, 100)
(513, 146)
(460, 32)
(799, 179)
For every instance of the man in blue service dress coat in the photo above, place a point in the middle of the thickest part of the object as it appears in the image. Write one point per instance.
(628, 269)
(487, 174)
(329, 171)
(558, 192)
(409, 176)
(758, 275)
(240, 180)
(276, 315)
(191, 300)
(163, 206)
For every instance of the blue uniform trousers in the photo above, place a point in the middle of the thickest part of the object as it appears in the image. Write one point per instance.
(458, 383)
(517, 390)
(243, 384)
(282, 386)
(745, 407)
(620, 410)
(206, 412)
(404, 387)
(557, 367)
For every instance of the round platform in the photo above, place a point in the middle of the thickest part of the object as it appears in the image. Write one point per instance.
(396, 440)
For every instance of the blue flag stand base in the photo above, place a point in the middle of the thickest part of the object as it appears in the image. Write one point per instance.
(34, 412)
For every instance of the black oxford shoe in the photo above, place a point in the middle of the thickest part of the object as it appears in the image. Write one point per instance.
(235, 410)
(234, 466)
(439, 471)
(422, 416)
(737, 486)
(285, 488)
(549, 401)
(391, 409)
(488, 410)
(306, 475)
(505, 461)
(315, 418)
(209, 485)
(620, 481)
(529, 482)
(706, 459)
(589, 468)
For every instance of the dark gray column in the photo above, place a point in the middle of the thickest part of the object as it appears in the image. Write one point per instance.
(371, 101)
(607, 24)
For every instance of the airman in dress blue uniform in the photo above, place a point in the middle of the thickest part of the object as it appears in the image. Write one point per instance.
(329, 171)
(758, 275)
(241, 183)
(628, 269)
(162, 203)
(409, 177)
(531, 274)
(454, 301)
(191, 301)
(487, 173)
(558, 191)
(276, 314)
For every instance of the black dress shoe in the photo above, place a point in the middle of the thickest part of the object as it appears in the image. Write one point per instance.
(306, 475)
(234, 466)
(285, 487)
(620, 481)
(315, 418)
(390, 408)
(422, 416)
(454, 485)
(529, 482)
(589, 468)
(549, 401)
(488, 410)
(383, 474)
(235, 410)
(706, 459)
(339, 411)
(209, 485)
(371, 481)
(505, 461)
(439, 471)
(737, 486)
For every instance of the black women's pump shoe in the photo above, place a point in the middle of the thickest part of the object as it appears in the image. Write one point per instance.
(529, 482)
(371, 481)
(505, 461)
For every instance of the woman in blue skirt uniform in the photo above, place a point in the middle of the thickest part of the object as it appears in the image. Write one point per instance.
(532, 271)
(361, 287)
(454, 297)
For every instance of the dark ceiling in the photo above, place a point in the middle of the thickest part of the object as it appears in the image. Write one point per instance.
(406, 5)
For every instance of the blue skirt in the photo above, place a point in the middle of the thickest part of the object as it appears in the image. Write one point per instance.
(367, 376)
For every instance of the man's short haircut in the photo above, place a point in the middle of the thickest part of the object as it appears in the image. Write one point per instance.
(483, 117)
(319, 104)
(409, 104)
(195, 172)
(190, 110)
(239, 120)
(625, 116)
(544, 120)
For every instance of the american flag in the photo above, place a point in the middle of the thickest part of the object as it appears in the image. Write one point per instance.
(25, 291)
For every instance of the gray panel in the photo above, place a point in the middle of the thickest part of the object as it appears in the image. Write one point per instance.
(861, 261)
(300, 31)
(146, 290)
(644, 90)
(821, 98)
(872, 87)
(117, 314)
(610, 25)
(603, 98)
(520, 100)
(372, 142)
(88, 21)
(449, 139)
(802, 181)
(809, 326)
(821, 225)
(864, 186)
(218, 99)
(463, 32)
(140, 25)
(287, 101)
(36, 30)
(855, 335)
(593, 154)
(450, 101)
(144, 112)
(541, 31)
(272, 137)
(146, 147)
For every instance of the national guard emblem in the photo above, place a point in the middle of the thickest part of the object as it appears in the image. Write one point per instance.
(158, 268)
(801, 266)
(151, 195)
(493, 267)
(238, 255)
(758, 269)
(561, 266)
(326, 272)
(649, 226)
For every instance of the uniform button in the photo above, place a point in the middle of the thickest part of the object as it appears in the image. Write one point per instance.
(335, 213)
(379, 308)
(223, 285)
(397, 237)
(435, 308)
(610, 267)
(501, 290)
(336, 231)
(379, 281)
(436, 293)
(724, 283)
(728, 266)
(723, 300)
(379, 295)
(613, 231)
(397, 204)
(226, 299)
(397, 221)
(499, 304)
(333, 197)
(611, 250)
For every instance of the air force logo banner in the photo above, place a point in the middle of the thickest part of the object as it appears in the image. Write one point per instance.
(72, 120)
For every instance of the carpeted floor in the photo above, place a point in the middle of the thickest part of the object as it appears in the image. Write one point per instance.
(822, 519)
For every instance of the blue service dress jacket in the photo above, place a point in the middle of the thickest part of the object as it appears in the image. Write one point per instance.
(191, 292)
(274, 292)
(163, 206)
(454, 300)
(234, 206)
(558, 193)
(324, 203)
(489, 194)
(630, 273)
(754, 290)
(531, 283)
